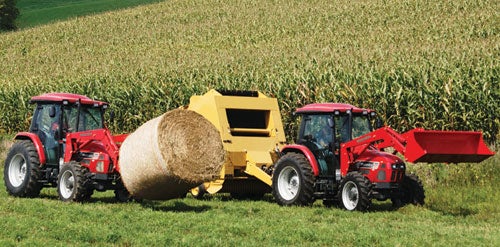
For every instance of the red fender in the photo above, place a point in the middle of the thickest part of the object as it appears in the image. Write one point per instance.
(36, 141)
(306, 152)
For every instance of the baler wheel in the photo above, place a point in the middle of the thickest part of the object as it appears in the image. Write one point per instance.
(72, 183)
(293, 181)
(355, 192)
(22, 170)
(199, 191)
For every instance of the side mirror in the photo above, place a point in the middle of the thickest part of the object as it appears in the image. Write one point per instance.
(52, 111)
(378, 123)
(111, 116)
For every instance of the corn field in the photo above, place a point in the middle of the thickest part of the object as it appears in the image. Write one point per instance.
(431, 64)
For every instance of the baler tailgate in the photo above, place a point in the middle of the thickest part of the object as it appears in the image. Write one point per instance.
(434, 146)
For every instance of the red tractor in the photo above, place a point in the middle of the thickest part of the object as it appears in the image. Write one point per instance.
(69, 147)
(339, 158)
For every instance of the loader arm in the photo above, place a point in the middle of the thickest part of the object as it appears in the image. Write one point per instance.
(419, 145)
(378, 139)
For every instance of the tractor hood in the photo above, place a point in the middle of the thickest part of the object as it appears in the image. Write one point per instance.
(374, 155)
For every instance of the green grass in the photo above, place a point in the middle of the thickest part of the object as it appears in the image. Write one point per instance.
(34, 13)
(222, 221)
(455, 214)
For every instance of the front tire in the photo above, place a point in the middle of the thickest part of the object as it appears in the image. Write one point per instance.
(122, 195)
(72, 183)
(355, 192)
(293, 181)
(22, 170)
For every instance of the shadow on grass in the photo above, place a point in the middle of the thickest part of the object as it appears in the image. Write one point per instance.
(268, 198)
(51, 194)
(452, 211)
(225, 197)
(382, 207)
(181, 206)
(177, 206)
(456, 211)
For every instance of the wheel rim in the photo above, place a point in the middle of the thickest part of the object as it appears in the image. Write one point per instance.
(67, 184)
(288, 183)
(17, 170)
(195, 191)
(350, 195)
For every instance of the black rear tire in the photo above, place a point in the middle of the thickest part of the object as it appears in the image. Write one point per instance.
(293, 181)
(22, 170)
(73, 184)
(355, 192)
(412, 190)
(330, 203)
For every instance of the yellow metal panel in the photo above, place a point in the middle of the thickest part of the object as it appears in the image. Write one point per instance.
(205, 105)
(238, 158)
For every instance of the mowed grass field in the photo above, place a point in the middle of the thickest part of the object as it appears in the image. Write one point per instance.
(432, 64)
(35, 12)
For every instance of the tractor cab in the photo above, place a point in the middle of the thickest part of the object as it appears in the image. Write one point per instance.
(57, 114)
(324, 127)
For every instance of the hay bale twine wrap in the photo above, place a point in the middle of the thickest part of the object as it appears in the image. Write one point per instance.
(170, 154)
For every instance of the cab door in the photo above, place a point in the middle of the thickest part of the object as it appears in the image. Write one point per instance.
(46, 125)
(317, 135)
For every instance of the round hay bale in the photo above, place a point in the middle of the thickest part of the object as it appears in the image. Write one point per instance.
(170, 154)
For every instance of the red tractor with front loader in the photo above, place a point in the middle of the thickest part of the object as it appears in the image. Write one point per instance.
(69, 147)
(339, 158)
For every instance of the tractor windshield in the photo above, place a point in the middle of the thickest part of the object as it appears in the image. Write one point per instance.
(90, 118)
(360, 125)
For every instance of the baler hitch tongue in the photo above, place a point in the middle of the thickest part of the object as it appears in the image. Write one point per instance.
(434, 146)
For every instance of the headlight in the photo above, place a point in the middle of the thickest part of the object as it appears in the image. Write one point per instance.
(398, 166)
(100, 166)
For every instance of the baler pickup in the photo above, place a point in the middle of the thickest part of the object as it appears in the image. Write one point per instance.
(433, 146)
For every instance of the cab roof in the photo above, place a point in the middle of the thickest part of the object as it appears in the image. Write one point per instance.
(330, 108)
(60, 97)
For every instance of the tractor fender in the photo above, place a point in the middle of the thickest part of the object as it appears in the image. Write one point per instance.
(306, 152)
(36, 141)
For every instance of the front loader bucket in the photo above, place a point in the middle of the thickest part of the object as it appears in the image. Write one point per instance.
(434, 146)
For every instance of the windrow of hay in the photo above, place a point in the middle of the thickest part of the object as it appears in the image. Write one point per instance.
(171, 154)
